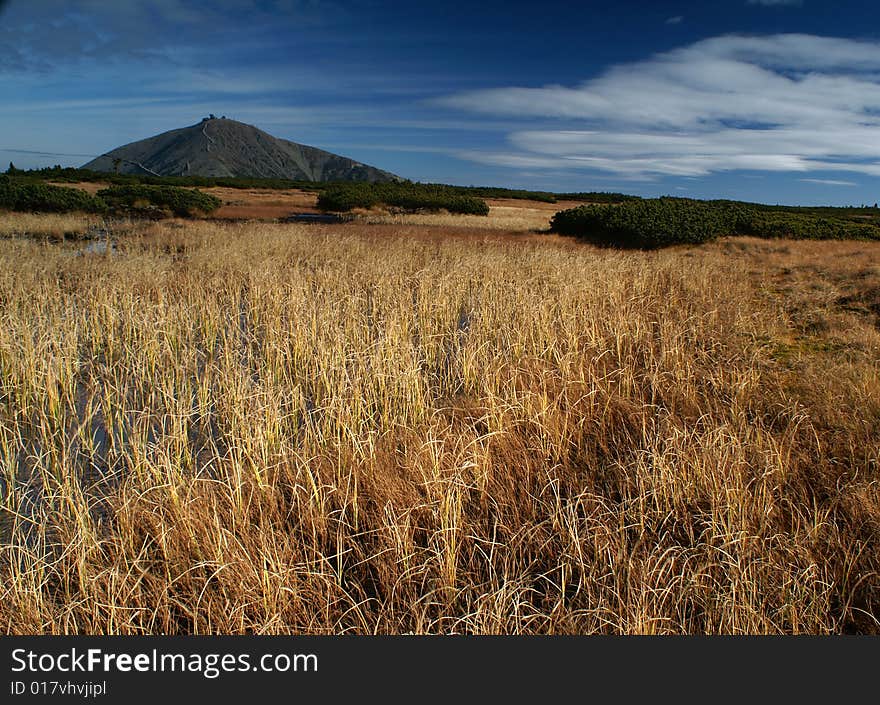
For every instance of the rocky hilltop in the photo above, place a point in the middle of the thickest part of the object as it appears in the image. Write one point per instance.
(223, 147)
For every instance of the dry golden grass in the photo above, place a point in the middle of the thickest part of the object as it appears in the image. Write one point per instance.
(507, 214)
(276, 428)
(262, 204)
(510, 218)
(45, 224)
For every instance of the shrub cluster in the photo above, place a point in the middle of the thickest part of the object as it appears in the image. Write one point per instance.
(807, 227)
(493, 192)
(180, 201)
(72, 175)
(596, 197)
(403, 195)
(659, 222)
(25, 195)
(642, 224)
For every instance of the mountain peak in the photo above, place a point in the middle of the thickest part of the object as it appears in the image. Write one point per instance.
(222, 147)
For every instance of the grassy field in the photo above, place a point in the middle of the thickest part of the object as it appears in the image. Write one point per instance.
(273, 204)
(417, 427)
(54, 225)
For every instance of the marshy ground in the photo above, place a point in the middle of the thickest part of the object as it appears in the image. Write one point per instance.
(417, 425)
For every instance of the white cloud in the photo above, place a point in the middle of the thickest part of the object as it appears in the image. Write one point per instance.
(830, 182)
(789, 102)
(674, 20)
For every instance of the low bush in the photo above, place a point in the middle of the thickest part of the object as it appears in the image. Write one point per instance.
(495, 192)
(659, 222)
(596, 197)
(807, 227)
(72, 175)
(36, 197)
(405, 196)
(28, 195)
(180, 201)
(644, 224)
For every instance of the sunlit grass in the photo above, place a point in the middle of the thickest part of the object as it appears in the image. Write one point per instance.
(277, 428)
(54, 224)
(500, 218)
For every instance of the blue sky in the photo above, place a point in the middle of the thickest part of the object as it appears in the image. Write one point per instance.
(764, 100)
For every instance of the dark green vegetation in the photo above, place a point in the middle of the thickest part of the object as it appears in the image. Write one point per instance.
(334, 195)
(180, 201)
(69, 175)
(33, 196)
(596, 197)
(405, 196)
(643, 224)
(631, 222)
(492, 192)
(25, 194)
(545, 196)
(659, 222)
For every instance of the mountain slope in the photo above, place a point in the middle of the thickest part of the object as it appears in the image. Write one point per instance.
(223, 147)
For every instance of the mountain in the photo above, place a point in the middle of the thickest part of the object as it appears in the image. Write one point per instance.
(223, 147)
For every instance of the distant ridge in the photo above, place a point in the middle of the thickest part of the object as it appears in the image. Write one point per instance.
(223, 147)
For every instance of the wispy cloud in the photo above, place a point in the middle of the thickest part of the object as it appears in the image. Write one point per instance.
(675, 20)
(41, 36)
(830, 182)
(791, 102)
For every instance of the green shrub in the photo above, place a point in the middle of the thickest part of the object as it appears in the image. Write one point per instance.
(595, 197)
(807, 227)
(494, 192)
(645, 224)
(33, 196)
(180, 201)
(659, 222)
(72, 175)
(405, 196)
(25, 194)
